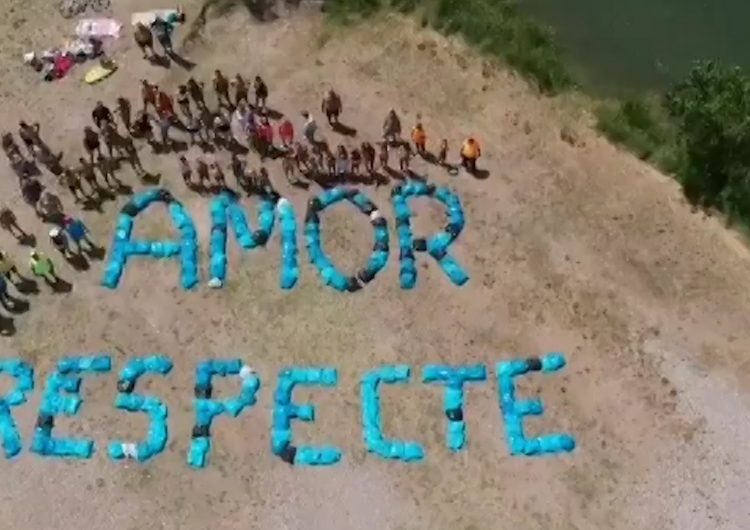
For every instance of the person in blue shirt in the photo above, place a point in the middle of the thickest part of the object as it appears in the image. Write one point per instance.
(78, 233)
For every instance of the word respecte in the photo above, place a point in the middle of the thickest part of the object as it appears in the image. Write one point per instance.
(62, 397)
(226, 213)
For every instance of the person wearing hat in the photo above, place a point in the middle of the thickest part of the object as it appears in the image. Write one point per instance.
(42, 267)
(8, 267)
(59, 241)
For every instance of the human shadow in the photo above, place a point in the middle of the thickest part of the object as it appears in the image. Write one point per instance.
(344, 129)
(60, 286)
(480, 174)
(273, 114)
(7, 326)
(450, 168)
(26, 286)
(78, 262)
(161, 61)
(151, 179)
(411, 175)
(93, 204)
(393, 174)
(26, 239)
(181, 61)
(95, 252)
(300, 184)
(122, 189)
(428, 157)
(14, 305)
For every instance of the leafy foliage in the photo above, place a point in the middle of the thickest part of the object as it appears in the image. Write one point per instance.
(712, 110)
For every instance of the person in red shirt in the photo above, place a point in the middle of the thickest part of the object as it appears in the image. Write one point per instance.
(286, 133)
(164, 107)
(265, 133)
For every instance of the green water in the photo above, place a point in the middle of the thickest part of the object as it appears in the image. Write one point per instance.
(623, 46)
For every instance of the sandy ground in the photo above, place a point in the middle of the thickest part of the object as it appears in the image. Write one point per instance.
(580, 249)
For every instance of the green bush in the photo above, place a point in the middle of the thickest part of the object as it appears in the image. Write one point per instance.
(642, 126)
(712, 109)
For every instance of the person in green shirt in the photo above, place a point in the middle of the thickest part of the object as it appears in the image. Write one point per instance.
(42, 267)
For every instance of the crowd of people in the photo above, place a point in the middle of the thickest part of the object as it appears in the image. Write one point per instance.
(239, 122)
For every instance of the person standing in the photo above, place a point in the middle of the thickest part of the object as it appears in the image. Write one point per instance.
(42, 267)
(310, 127)
(286, 133)
(470, 153)
(72, 181)
(261, 92)
(240, 89)
(144, 39)
(331, 106)
(163, 32)
(101, 115)
(368, 155)
(78, 233)
(221, 88)
(195, 89)
(60, 242)
(392, 127)
(8, 267)
(419, 137)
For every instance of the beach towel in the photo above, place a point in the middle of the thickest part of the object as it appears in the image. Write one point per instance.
(98, 27)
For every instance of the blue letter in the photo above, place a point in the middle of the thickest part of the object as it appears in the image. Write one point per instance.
(123, 248)
(514, 411)
(371, 421)
(206, 409)
(328, 271)
(284, 411)
(157, 437)
(436, 246)
(454, 379)
(23, 373)
(227, 209)
(66, 378)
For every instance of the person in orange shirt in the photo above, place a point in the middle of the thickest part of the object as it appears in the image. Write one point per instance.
(419, 137)
(470, 153)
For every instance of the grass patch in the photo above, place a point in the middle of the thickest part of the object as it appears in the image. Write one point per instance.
(643, 127)
(495, 27)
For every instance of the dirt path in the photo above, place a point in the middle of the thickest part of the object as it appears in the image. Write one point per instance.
(580, 249)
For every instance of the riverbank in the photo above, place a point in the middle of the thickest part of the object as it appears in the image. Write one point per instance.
(650, 125)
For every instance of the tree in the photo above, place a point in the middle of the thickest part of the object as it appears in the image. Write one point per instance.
(712, 110)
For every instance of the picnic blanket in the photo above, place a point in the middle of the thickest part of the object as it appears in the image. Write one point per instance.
(98, 28)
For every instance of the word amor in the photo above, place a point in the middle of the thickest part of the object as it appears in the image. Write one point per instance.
(227, 212)
(62, 397)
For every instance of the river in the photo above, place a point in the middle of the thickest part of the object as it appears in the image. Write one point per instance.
(616, 47)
